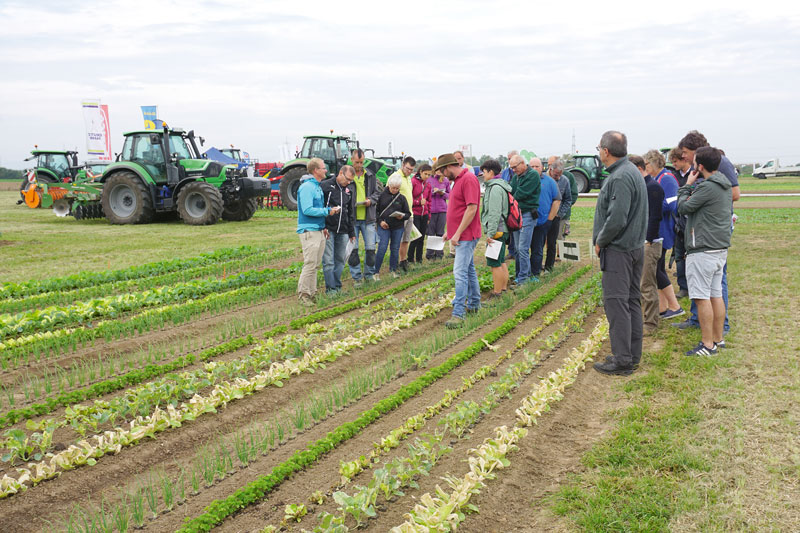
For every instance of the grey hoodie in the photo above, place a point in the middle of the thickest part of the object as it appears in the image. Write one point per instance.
(709, 206)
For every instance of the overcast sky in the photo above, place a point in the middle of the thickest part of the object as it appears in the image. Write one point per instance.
(428, 76)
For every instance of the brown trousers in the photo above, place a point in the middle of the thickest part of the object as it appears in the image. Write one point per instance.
(313, 243)
(649, 286)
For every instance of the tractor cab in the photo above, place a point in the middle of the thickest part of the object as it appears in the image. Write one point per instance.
(55, 166)
(154, 150)
(332, 149)
(588, 172)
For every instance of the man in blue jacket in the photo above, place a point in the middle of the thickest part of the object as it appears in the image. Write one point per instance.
(311, 213)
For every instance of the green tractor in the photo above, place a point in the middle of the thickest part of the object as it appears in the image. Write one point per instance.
(588, 172)
(335, 150)
(52, 166)
(163, 171)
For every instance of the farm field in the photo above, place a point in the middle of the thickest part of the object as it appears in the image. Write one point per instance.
(164, 377)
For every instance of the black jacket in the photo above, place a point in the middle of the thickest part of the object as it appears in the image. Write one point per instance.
(388, 203)
(345, 197)
(655, 199)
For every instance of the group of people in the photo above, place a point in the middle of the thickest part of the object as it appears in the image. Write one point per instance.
(440, 201)
(643, 211)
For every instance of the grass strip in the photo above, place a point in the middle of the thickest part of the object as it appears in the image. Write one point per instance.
(216, 512)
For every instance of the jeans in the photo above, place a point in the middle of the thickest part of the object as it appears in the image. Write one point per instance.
(693, 319)
(468, 291)
(368, 232)
(537, 246)
(522, 244)
(385, 236)
(333, 260)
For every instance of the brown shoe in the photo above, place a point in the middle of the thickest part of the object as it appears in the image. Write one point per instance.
(306, 300)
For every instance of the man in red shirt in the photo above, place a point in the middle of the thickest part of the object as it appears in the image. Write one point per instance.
(464, 231)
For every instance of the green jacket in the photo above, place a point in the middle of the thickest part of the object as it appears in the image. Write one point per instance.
(709, 206)
(495, 207)
(620, 218)
(526, 190)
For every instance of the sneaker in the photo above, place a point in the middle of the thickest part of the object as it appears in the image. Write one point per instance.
(611, 368)
(702, 350)
(720, 344)
(686, 324)
(683, 293)
(395, 275)
(358, 283)
(306, 300)
(455, 322)
(669, 313)
(376, 277)
(404, 266)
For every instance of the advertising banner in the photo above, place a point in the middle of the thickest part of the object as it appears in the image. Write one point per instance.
(98, 131)
(150, 114)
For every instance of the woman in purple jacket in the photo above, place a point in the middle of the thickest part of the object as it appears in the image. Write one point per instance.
(439, 192)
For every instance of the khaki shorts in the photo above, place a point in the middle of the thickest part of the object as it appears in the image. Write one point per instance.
(407, 229)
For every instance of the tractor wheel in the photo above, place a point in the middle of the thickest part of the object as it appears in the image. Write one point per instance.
(581, 181)
(200, 204)
(126, 199)
(240, 210)
(290, 182)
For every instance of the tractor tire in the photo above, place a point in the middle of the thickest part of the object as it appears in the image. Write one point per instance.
(290, 182)
(240, 210)
(581, 181)
(126, 199)
(200, 204)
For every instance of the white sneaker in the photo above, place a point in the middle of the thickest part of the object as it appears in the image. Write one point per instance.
(376, 277)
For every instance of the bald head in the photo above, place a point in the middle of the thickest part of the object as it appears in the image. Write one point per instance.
(512, 153)
(536, 164)
(517, 164)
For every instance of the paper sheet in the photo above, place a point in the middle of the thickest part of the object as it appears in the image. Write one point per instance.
(493, 249)
(398, 214)
(435, 243)
(349, 249)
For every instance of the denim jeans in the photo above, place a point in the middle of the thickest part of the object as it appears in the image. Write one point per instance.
(522, 244)
(537, 247)
(333, 260)
(468, 291)
(385, 236)
(367, 231)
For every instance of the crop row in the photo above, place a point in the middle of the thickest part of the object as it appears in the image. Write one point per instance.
(114, 306)
(21, 350)
(389, 480)
(86, 279)
(218, 269)
(86, 452)
(219, 510)
(444, 511)
(285, 347)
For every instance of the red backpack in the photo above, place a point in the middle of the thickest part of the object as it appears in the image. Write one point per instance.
(514, 216)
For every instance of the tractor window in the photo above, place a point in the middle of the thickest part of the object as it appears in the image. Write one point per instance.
(146, 153)
(177, 145)
(58, 163)
(344, 149)
(306, 152)
(326, 151)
